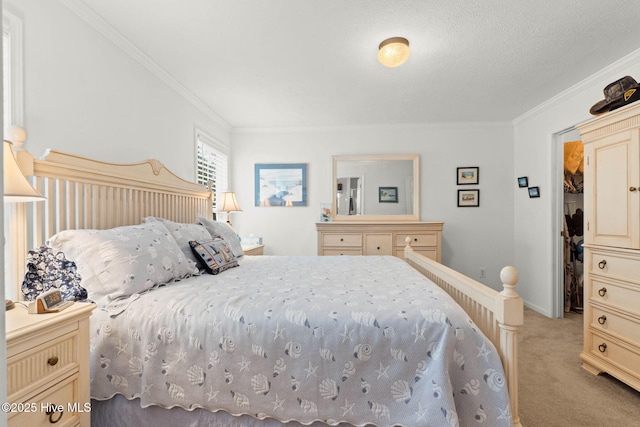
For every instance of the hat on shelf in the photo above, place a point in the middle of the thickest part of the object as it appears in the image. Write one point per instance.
(617, 94)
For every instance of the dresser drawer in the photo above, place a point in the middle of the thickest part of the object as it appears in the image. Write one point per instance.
(615, 353)
(63, 394)
(622, 296)
(342, 239)
(616, 266)
(40, 364)
(346, 251)
(378, 244)
(426, 239)
(614, 324)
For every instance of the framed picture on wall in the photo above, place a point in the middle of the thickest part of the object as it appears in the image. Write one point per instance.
(534, 192)
(523, 182)
(388, 194)
(281, 184)
(468, 175)
(468, 198)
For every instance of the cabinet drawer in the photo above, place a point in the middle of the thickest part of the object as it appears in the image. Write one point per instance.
(63, 394)
(616, 325)
(342, 239)
(42, 363)
(624, 297)
(616, 266)
(426, 239)
(332, 252)
(615, 354)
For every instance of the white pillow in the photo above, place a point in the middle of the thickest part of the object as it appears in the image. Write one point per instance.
(184, 233)
(123, 261)
(224, 230)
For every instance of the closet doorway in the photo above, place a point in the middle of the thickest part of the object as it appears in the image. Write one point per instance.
(570, 207)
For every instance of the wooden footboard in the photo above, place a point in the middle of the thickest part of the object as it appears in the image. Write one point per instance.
(497, 314)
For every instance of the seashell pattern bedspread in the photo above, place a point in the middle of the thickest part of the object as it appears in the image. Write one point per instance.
(363, 340)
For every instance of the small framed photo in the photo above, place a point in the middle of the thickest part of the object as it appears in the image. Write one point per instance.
(468, 175)
(534, 192)
(523, 182)
(468, 198)
(388, 194)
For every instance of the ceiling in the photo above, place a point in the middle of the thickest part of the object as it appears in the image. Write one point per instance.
(296, 63)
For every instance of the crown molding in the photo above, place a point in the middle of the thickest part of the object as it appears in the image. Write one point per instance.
(376, 127)
(622, 64)
(103, 27)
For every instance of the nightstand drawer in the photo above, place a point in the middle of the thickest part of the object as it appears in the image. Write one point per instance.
(430, 239)
(342, 239)
(61, 395)
(40, 364)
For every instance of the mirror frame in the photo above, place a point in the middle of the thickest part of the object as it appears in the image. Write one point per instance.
(414, 217)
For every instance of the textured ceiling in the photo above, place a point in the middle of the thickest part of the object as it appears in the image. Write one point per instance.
(290, 63)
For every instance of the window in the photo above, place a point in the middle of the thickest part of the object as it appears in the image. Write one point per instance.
(211, 165)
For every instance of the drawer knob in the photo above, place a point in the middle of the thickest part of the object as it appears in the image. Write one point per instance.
(602, 347)
(632, 189)
(602, 264)
(52, 361)
(602, 319)
(602, 291)
(52, 413)
(341, 239)
(378, 247)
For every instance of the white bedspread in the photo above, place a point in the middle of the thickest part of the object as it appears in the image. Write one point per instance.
(363, 340)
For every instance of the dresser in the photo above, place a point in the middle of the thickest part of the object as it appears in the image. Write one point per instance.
(48, 367)
(380, 238)
(612, 244)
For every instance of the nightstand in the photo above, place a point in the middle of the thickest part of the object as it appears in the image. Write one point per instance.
(253, 249)
(48, 371)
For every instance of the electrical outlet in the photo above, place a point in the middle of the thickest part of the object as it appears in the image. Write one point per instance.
(483, 272)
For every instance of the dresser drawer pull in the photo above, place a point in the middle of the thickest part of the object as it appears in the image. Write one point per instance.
(602, 347)
(602, 319)
(378, 247)
(52, 361)
(602, 264)
(341, 239)
(602, 291)
(52, 413)
(632, 189)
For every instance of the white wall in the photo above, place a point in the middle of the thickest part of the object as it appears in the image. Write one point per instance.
(472, 238)
(535, 148)
(85, 95)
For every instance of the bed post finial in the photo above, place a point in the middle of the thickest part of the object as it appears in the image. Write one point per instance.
(509, 278)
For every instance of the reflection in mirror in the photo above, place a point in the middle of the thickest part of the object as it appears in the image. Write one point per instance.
(376, 187)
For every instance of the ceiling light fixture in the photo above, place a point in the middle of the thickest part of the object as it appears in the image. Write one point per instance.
(393, 51)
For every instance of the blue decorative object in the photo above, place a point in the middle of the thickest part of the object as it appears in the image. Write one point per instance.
(47, 269)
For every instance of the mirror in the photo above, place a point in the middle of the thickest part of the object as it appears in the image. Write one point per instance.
(376, 187)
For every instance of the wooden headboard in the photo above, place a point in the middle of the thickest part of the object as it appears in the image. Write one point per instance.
(83, 193)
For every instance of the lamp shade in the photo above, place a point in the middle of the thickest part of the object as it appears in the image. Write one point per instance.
(16, 186)
(229, 202)
(394, 51)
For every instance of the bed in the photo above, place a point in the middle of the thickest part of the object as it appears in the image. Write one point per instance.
(296, 340)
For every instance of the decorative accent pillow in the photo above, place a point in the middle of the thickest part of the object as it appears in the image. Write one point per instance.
(215, 255)
(184, 233)
(225, 231)
(123, 261)
(47, 269)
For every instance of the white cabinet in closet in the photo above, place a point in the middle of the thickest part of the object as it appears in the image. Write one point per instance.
(612, 244)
